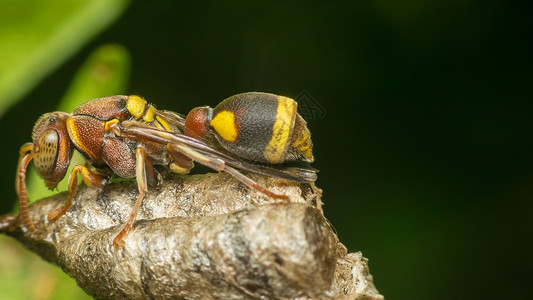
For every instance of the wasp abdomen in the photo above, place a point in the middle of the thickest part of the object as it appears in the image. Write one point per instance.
(261, 127)
(301, 145)
(244, 123)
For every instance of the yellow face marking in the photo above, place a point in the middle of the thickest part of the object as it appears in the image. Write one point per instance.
(76, 138)
(224, 125)
(163, 123)
(149, 115)
(136, 106)
(285, 115)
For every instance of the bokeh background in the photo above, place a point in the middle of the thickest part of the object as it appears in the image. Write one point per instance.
(422, 124)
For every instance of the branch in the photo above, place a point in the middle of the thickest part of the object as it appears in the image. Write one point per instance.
(198, 237)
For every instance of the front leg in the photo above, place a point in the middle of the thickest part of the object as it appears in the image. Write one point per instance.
(20, 185)
(143, 164)
(91, 180)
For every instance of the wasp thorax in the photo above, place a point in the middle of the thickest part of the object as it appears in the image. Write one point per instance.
(45, 152)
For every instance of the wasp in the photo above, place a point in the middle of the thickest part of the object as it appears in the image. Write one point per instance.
(128, 137)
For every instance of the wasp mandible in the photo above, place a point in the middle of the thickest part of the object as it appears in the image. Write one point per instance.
(127, 136)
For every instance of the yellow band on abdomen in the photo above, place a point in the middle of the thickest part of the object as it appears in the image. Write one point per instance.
(285, 114)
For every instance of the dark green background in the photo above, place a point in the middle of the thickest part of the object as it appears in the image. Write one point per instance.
(425, 150)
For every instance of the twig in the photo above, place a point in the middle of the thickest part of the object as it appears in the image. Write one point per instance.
(198, 237)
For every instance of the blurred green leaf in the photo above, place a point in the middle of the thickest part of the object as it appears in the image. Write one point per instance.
(37, 36)
(105, 73)
(23, 275)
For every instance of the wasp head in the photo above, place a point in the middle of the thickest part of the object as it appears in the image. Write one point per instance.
(51, 147)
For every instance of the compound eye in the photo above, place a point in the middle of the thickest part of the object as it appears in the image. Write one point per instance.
(45, 154)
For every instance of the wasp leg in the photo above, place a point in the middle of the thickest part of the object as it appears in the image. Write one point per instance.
(20, 184)
(136, 130)
(219, 165)
(91, 180)
(254, 186)
(142, 164)
(176, 149)
(180, 164)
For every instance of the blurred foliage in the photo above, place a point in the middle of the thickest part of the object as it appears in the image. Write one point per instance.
(425, 150)
(37, 36)
(25, 276)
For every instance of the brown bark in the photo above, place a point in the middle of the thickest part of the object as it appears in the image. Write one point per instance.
(198, 237)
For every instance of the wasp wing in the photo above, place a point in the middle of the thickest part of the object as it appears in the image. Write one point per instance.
(293, 172)
(174, 119)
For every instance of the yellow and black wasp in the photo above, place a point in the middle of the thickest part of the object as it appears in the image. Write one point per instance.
(125, 135)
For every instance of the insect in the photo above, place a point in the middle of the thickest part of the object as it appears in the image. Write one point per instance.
(126, 136)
